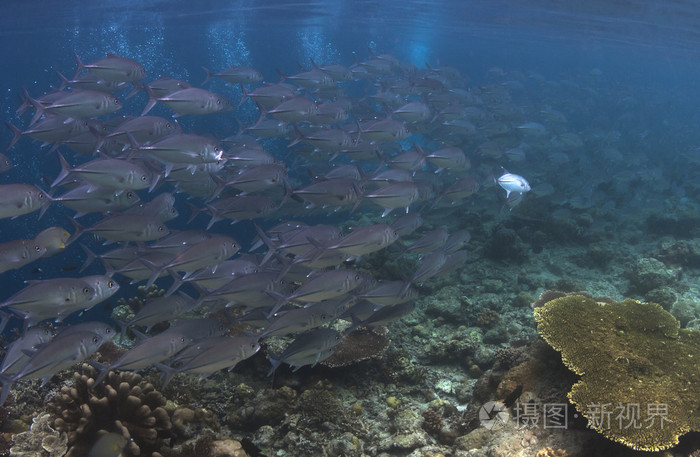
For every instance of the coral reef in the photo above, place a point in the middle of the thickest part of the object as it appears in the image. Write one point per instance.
(40, 441)
(123, 403)
(648, 274)
(267, 407)
(634, 360)
(362, 344)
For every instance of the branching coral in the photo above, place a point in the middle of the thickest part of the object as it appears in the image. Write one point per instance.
(124, 403)
(638, 369)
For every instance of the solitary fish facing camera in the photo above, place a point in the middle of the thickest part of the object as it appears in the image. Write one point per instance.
(513, 183)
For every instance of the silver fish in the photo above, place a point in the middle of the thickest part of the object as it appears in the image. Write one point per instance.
(235, 75)
(49, 129)
(19, 199)
(162, 206)
(270, 95)
(223, 353)
(430, 265)
(88, 198)
(388, 293)
(307, 345)
(191, 101)
(148, 352)
(115, 173)
(208, 253)
(159, 309)
(407, 223)
(302, 319)
(16, 354)
(144, 129)
(80, 104)
(123, 227)
(183, 148)
(430, 241)
(55, 357)
(449, 158)
(384, 130)
(296, 109)
(114, 68)
(394, 195)
(513, 183)
(18, 253)
(364, 240)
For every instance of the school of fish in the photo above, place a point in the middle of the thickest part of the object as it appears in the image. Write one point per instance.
(367, 150)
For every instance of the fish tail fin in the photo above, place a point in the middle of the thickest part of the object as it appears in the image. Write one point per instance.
(300, 136)
(245, 96)
(4, 319)
(24, 102)
(194, 210)
(220, 186)
(360, 196)
(214, 216)
(167, 371)
(64, 81)
(271, 247)
(282, 75)
(81, 65)
(156, 271)
(177, 282)
(38, 107)
(281, 300)
(151, 101)
(65, 171)
(16, 135)
(135, 90)
(6, 383)
(123, 327)
(275, 364)
(103, 371)
(209, 75)
(79, 230)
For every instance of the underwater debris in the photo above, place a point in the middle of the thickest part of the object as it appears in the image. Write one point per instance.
(634, 360)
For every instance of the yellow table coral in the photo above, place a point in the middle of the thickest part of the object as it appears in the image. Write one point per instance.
(640, 373)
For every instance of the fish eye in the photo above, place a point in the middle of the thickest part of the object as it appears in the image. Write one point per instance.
(357, 277)
(161, 228)
(144, 178)
(167, 125)
(116, 101)
(95, 339)
(37, 248)
(86, 290)
(218, 101)
(110, 284)
(41, 195)
(182, 340)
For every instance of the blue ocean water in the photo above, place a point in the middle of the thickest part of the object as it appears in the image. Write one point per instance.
(622, 167)
(645, 52)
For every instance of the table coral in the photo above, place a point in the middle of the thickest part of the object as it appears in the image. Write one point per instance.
(638, 369)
